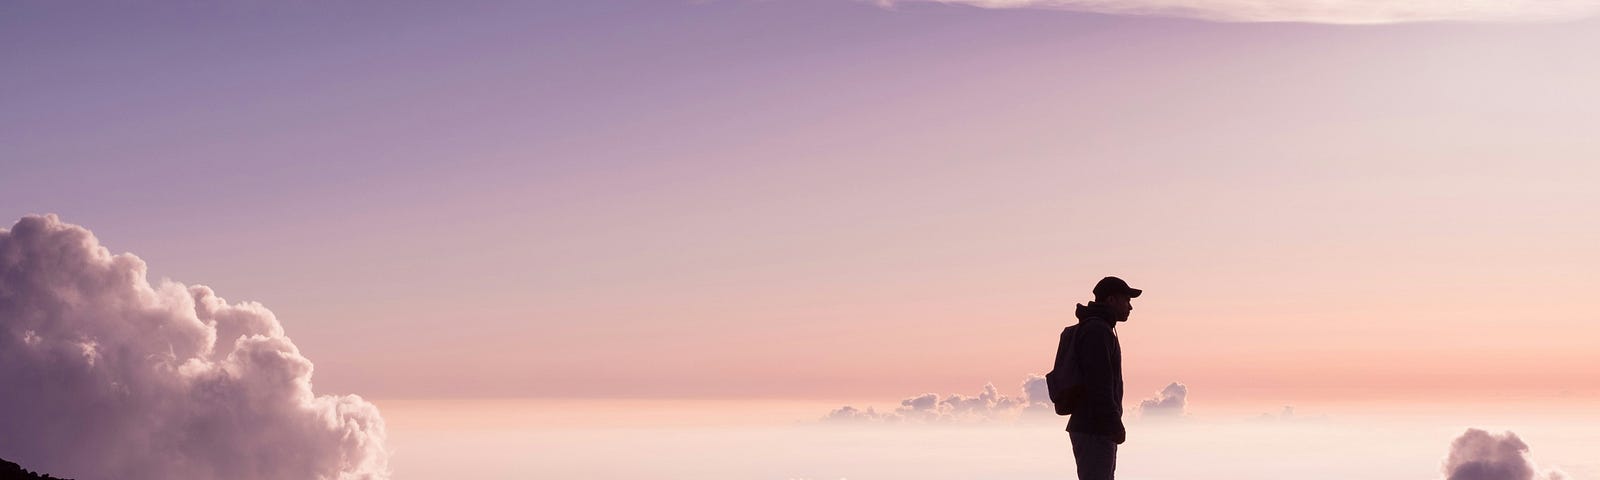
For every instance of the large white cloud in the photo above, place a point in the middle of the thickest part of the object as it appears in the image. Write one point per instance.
(106, 376)
(1313, 11)
(1480, 455)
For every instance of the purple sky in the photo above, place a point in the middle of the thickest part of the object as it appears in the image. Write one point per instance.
(511, 192)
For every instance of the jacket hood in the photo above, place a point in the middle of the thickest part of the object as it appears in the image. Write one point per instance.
(1095, 311)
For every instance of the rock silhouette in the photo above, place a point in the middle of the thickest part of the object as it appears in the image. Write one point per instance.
(12, 471)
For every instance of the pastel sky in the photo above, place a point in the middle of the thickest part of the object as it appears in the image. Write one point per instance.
(833, 200)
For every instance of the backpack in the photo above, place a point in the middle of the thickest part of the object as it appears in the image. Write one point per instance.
(1065, 380)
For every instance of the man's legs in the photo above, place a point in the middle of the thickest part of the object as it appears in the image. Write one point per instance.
(1096, 456)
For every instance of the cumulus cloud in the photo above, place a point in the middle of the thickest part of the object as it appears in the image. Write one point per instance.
(988, 405)
(107, 376)
(1480, 455)
(1312, 11)
(1168, 403)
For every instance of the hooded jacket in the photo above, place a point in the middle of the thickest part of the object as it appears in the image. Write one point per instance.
(1099, 355)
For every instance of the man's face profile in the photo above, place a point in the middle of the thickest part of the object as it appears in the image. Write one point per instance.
(1120, 305)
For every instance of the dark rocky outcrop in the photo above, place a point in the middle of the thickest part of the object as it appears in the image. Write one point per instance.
(12, 471)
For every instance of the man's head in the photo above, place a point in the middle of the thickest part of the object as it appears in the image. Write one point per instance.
(1116, 296)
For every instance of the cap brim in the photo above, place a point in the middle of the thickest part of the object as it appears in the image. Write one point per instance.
(1134, 292)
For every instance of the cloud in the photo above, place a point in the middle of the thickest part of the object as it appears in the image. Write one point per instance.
(987, 406)
(1168, 403)
(1287, 414)
(107, 376)
(1480, 455)
(991, 406)
(1311, 11)
(1037, 393)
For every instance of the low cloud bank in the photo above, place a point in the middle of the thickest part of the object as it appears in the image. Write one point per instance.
(988, 405)
(107, 376)
(1480, 455)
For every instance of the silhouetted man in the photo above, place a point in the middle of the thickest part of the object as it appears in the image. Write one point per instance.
(1096, 423)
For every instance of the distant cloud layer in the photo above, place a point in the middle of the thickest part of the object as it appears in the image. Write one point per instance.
(1312, 11)
(987, 406)
(1168, 403)
(990, 405)
(1480, 455)
(106, 376)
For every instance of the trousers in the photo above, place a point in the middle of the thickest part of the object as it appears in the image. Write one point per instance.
(1096, 456)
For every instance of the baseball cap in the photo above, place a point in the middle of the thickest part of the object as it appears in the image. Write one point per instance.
(1114, 285)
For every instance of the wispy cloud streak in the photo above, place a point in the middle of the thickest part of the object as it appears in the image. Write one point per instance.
(1350, 12)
